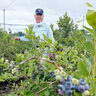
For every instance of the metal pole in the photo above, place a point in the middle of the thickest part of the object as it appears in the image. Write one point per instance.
(83, 20)
(4, 18)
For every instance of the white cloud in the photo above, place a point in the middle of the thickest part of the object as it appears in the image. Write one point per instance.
(22, 11)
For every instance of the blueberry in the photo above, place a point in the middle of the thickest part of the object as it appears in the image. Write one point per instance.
(73, 87)
(87, 87)
(77, 88)
(37, 45)
(81, 88)
(28, 77)
(35, 75)
(61, 50)
(82, 82)
(37, 40)
(60, 95)
(9, 66)
(68, 85)
(69, 78)
(7, 89)
(12, 67)
(52, 74)
(19, 68)
(68, 92)
(13, 64)
(62, 87)
(60, 92)
(63, 81)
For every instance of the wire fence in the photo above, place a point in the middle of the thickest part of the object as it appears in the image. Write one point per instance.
(14, 27)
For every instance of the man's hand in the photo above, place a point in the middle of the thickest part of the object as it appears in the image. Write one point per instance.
(16, 38)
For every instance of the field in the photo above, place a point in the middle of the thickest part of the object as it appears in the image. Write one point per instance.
(70, 70)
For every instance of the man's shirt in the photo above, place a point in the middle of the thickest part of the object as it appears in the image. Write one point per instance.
(40, 29)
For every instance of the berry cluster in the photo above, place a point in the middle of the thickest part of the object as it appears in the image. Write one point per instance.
(69, 84)
(52, 74)
(13, 67)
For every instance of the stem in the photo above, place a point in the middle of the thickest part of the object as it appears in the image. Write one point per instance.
(36, 94)
(94, 66)
(94, 57)
(40, 59)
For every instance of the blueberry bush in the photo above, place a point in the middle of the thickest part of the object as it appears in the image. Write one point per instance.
(10, 47)
(71, 71)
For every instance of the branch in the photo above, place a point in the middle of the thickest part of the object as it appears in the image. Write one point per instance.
(36, 94)
(41, 59)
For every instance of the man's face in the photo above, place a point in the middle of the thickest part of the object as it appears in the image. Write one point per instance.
(39, 18)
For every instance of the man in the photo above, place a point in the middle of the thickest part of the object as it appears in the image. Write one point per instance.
(40, 27)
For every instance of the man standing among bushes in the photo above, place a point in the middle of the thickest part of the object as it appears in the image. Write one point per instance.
(40, 27)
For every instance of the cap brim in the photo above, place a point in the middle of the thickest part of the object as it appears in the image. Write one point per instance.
(39, 13)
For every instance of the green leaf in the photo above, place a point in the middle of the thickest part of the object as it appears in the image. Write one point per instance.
(79, 21)
(47, 93)
(45, 37)
(82, 69)
(2, 79)
(91, 18)
(28, 93)
(88, 4)
(90, 30)
(89, 46)
(86, 61)
(26, 31)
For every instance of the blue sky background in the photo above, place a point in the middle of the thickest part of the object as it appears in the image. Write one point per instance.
(22, 11)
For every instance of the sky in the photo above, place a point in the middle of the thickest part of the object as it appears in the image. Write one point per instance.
(22, 11)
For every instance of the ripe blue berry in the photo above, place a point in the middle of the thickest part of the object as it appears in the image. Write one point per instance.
(9, 66)
(7, 89)
(82, 82)
(81, 88)
(12, 67)
(52, 74)
(68, 85)
(60, 92)
(68, 92)
(62, 87)
(13, 64)
(87, 87)
(34, 75)
(69, 78)
(63, 81)
(77, 88)
(18, 68)
(73, 87)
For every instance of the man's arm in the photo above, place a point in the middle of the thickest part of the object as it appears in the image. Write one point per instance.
(24, 38)
(16, 38)
(21, 38)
